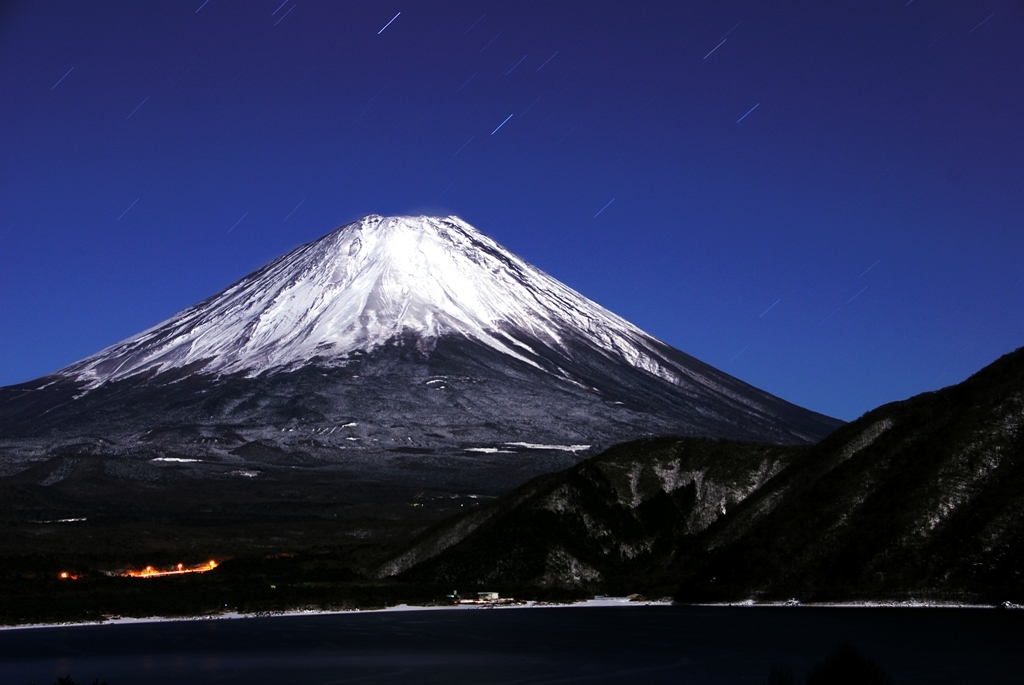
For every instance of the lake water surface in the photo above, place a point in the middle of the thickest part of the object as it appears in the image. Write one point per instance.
(629, 644)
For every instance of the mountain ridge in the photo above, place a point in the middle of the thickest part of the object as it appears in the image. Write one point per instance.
(917, 499)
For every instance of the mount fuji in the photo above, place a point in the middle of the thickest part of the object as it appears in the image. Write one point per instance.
(393, 339)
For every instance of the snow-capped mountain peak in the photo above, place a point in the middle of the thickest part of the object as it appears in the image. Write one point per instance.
(363, 285)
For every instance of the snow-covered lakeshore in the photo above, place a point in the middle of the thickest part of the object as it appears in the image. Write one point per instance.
(595, 602)
(616, 641)
(868, 604)
(232, 615)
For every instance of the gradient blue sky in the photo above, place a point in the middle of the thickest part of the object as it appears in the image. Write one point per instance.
(855, 239)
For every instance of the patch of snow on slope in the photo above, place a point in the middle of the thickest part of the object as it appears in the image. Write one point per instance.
(563, 569)
(537, 446)
(865, 439)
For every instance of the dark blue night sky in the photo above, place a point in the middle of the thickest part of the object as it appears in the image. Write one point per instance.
(825, 199)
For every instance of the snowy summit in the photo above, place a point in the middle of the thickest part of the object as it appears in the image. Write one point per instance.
(362, 286)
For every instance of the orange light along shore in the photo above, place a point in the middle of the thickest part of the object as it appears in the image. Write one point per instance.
(150, 572)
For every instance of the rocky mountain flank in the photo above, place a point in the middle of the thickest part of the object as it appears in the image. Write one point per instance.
(919, 499)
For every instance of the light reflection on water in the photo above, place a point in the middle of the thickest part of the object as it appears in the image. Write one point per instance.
(656, 644)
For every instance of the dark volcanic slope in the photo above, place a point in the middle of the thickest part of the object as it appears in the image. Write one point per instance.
(922, 498)
(458, 394)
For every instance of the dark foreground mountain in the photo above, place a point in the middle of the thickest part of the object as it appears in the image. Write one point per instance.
(370, 378)
(602, 525)
(918, 499)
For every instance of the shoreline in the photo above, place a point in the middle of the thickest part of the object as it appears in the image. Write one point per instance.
(869, 604)
(233, 615)
(600, 601)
